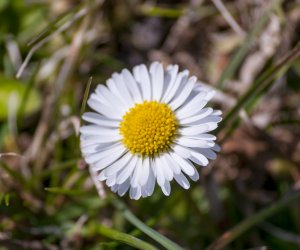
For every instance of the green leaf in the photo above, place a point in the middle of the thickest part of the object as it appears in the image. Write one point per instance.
(260, 86)
(242, 51)
(13, 173)
(164, 241)
(3, 4)
(253, 220)
(6, 199)
(59, 190)
(86, 95)
(11, 88)
(162, 12)
(125, 238)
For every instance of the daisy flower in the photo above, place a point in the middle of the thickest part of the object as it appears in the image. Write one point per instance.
(149, 126)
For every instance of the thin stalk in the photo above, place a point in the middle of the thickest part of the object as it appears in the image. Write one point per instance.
(59, 167)
(238, 57)
(13, 173)
(250, 222)
(125, 238)
(86, 95)
(262, 84)
(53, 25)
(165, 242)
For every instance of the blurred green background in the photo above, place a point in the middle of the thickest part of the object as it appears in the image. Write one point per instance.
(247, 50)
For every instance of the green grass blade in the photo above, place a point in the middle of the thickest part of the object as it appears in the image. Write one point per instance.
(250, 222)
(86, 95)
(59, 190)
(13, 173)
(165, 242)
(26, 96)
(162, 12)
(260, 86)
(6, 198)
(240, 54)
(60, 167)
(53, 25)
(125, 238)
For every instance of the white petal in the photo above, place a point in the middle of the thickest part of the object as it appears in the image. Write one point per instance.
(195, 177)
(159, 173)
(88, 141)
(209, 94)
(146, 167)
(194, 143)
(132, 86)
(100, 120)
(199, 158)
(205, 88)
(208, 153)
(114, 188)
(157, 79)
(185, 165)
(192, 106)
(114, 88)
(153, 166)
(111, 180)
(95, 147)
(172, 164)
(166, 188)
(216, 148)
(167, 171)
(151, 182)
(103, 109)
(197, 130)
(191, 110)
(135, 193)
(182, 151)
(118, 165)
(102, 176)
(137, 174)
(180, 79)
(184, 93)
(111, 98)
(170, 77)
(217, 112)
(98, 130)
(122, 86)
(91, 139)
(105, 162)
(91, 158)
(144, 191)
(208, 119)
(141, 75)
(127, 171)
(182, 180)
(207, 137)
(203, 113)
(123, 188)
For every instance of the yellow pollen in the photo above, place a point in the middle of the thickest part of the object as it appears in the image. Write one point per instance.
(148, 128)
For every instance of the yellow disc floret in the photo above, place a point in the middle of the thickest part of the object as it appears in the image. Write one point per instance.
(148, 128)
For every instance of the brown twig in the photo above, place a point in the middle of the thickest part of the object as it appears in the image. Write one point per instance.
(98, 184)
(229, 18)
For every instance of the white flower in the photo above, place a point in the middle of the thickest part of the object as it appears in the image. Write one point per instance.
(149, 126)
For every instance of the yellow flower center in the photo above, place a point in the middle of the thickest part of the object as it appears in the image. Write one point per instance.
(149, 128)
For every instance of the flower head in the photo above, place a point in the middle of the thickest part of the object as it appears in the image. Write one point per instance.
(150, 126)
